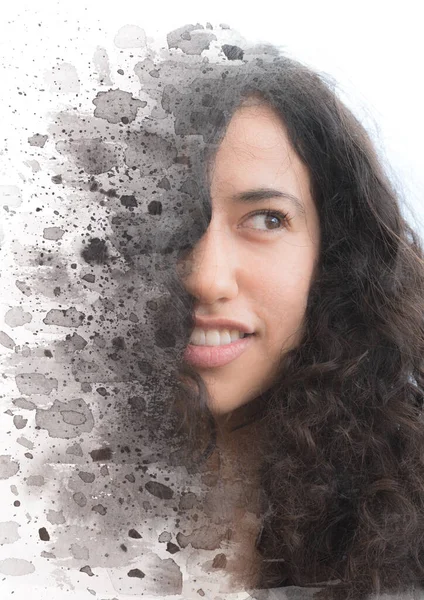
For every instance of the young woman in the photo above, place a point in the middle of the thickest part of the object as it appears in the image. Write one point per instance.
(305, 341)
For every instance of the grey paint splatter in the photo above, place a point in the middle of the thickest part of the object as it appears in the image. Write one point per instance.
(16, 567)
(6, 340)
(116, 106)
(66, 419)
(35, 480)
(24, 287)
(24, 404)
(130, 36)
(53, 233)
(102, 66)
(23, 441)
(63, 79)
(8, 467)
(69, 317)
(93, 155)
(16, 317)
(9, 532)
(35, 383)
(10, 196)
(56, 517)
(79, 552)
(38, 140)
(19, 421)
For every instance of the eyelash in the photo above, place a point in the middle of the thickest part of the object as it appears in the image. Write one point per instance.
(284, 218)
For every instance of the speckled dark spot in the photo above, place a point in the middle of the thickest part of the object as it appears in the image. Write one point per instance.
(101, 454)
(159, 490)
(133, 533)
(43, 534)
(172, 548)
(232, 52)
(136, 573)
(96, 252)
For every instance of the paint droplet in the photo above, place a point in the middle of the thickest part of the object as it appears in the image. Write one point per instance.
(80, 499)
(172, 548)
(100, 509)
(155, 207)
(101, 454)
(136, 573)
(220, 561)
(19, 422)
(165, 536)
(87, 477)
(44, 534)
(159, 490)
(133, 533)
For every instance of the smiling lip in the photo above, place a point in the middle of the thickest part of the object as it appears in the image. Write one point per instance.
(216, 356)
(222, 323)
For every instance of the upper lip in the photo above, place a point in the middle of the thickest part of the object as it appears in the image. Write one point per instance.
(222, 323)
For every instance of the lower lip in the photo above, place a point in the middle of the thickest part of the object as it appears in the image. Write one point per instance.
(216, 356)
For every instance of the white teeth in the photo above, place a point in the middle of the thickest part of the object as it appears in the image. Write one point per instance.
(214, 337)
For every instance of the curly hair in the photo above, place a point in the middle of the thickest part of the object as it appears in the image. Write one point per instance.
(343, 473)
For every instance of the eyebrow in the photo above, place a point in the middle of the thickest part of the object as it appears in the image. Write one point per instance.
(259, 194)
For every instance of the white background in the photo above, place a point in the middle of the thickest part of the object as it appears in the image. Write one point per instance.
(374, 49)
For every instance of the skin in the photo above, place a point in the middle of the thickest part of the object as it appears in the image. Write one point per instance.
(255, 269)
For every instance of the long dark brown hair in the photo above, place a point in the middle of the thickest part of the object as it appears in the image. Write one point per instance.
(343, 473)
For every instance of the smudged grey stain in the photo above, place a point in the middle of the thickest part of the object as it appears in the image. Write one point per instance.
(19, 421)
(16, 317)
(66, 420)
(24, 404)
(6, 340)
(35, 383)
(10, 196)
(102, 66)
(9, 532)
(130, 36)
(116, 106)
(63, 79)
(53, 233)
(38, 140)
(23, 287)
(93, 155)
(8, 467)
(191, 39)
(35, 480)
(16, 567)
(69, 317)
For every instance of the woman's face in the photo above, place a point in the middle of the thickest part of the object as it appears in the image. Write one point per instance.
(253, 269)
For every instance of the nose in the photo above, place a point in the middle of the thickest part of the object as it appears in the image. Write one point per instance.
(210, 269)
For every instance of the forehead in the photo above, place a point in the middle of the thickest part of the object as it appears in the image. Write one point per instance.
(256, 152)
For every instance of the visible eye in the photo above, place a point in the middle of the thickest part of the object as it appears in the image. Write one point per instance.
(274, 219)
